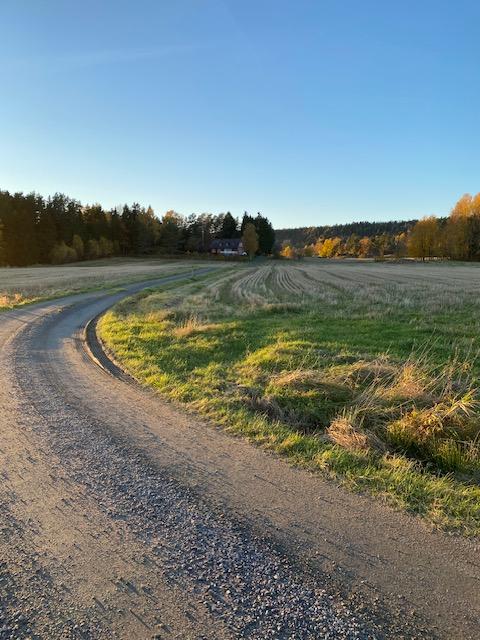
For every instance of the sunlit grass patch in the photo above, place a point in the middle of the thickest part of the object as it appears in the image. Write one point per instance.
(384, 404)
(12, 300)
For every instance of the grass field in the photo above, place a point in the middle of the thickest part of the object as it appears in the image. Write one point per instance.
(367, 373)
(24, 285)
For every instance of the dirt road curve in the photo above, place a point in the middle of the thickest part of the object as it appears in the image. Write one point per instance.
(123, 517)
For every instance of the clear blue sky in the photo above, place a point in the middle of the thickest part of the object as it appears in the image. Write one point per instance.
(312, 112)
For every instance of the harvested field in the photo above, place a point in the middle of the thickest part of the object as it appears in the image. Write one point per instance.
(344, 284)
(367, 372)
(20, 285)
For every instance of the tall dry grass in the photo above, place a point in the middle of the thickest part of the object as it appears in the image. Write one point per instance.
(430, 414)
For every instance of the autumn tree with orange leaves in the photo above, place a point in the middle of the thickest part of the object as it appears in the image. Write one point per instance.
(458, 238)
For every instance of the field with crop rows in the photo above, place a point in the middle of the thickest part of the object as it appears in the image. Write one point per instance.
(408, 285)
(366, 372)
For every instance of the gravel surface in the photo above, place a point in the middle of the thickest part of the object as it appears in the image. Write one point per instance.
(108, 530)
(238, 577)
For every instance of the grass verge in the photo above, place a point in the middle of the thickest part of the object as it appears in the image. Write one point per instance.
(380, 401)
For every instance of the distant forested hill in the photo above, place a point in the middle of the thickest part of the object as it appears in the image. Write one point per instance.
(307, 235)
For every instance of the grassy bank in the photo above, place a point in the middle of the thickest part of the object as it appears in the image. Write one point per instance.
(366, 376)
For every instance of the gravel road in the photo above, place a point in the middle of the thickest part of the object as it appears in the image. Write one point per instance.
(122, 516)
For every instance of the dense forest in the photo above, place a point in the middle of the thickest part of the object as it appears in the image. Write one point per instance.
(59, 229)
(303, 236)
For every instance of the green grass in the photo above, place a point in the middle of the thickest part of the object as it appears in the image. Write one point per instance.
(350, 394)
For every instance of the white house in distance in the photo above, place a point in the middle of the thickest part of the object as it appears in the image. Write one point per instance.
(228, 247)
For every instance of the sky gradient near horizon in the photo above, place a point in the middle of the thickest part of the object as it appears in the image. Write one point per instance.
(313, 112)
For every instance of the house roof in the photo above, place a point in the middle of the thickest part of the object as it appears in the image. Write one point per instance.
(226, 243)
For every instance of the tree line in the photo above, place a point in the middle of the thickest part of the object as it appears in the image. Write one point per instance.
(455, 237)
(59, 229)
(353, 246)
(305, 236)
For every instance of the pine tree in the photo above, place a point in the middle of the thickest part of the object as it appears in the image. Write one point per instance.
(3, 253)
(266, 234)
(170, 232)
(131, 225)
(21, 230)
(229, 226)
(46, 234)
(247, 219)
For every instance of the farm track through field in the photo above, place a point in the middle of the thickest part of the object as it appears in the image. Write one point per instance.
(122, 516)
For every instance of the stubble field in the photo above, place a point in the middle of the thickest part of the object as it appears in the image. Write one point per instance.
(364, 372)
(23, 285)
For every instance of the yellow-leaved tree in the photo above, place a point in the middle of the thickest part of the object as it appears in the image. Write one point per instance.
(424, 238)
(461, 234)
(250, 240)
(463, 208)
(364, 247)
(331, 247)
(317, 248)
(288, 252)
